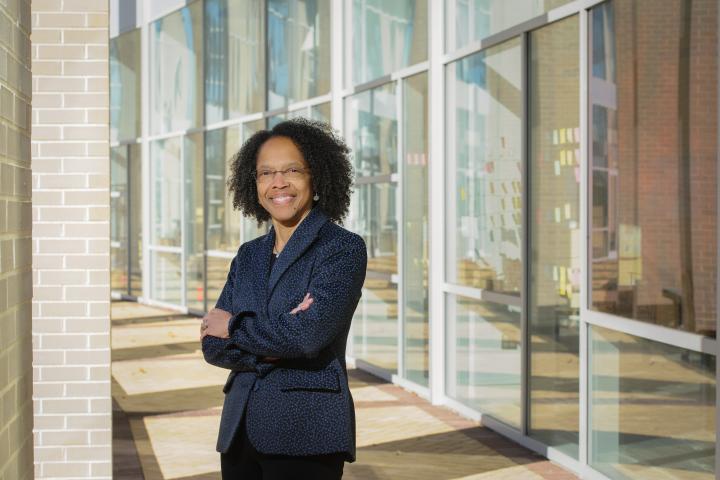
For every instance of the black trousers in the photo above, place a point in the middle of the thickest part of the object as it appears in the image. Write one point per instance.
(243, 462)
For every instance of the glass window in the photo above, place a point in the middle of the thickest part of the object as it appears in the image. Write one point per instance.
(415, 229)
(176, 75)
(167, 277)
(234, 59)
(119, 200)
(375, 322)
(484, 147)
(371, 130)
(223, 223)
(399, 26)
(217, 271)
(654, 162)
(298, 50)
(165, 193)
(321, 112)
(484, 229)
(194, 241)
(483, 357)
(135, 236)
(554, 261)
(468, 21)
(125, 118)
(652, 409)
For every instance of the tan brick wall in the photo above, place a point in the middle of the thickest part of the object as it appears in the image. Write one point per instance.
(71, 325)
(16, 414)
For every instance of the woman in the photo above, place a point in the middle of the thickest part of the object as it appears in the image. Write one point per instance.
(282, 319)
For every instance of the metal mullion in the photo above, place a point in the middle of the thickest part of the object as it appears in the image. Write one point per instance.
(206, 203)
(129, 141)
(165, 249)
(234, 122)
(128, 205)
(175, 133)
(436, 205)
(525, 237)
(221, 254)
(410, 71)
(483, 295)
(145, 159)
(584, 366)
(336, 65)
(312, 102)
(400, 221)
(655, 333)
(183, 235)
(369, 179)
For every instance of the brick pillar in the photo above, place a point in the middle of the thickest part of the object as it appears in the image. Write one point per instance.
(71, 251)
(16, 415)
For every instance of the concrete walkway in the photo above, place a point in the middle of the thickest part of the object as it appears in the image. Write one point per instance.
(167, 404)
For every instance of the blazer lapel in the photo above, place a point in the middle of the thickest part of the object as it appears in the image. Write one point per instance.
(300, 240)
(261, 266)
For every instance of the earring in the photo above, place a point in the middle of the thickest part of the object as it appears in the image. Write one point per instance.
(316, 197)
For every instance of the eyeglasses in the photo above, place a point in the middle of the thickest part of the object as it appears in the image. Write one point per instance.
(292, 173)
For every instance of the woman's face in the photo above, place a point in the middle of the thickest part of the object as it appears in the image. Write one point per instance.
(286, 197)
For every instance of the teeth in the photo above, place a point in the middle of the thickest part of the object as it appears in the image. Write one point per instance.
(282, 200)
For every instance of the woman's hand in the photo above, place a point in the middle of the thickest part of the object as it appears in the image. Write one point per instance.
(215, 323)
(304, 305)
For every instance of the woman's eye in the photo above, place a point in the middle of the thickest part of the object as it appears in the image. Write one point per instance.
(293, 170)
(265, 173)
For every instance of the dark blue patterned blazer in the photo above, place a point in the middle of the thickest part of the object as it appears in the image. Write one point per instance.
(301, 404)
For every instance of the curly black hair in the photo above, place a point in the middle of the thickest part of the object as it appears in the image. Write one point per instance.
(325, 152)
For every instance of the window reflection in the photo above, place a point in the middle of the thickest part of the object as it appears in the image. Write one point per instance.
(484, 222)
(371, 130)
(483, 357)
(375, 321)
(194, 241)
(399, 26)
(176, 70)
(119, 200)
(468, 21)
(652, 409)
(135, 237)
(125, 119)
(298, 49)
(234, 58)
(166, 197)
(415, 230)
(654, 162)
(554, 263)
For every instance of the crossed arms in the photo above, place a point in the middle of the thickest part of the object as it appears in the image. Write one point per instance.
(248, 339)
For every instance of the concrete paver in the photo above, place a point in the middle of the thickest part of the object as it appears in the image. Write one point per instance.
(167, 405)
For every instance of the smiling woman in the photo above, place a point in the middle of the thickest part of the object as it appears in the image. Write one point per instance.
(309, 144)
(282, 320)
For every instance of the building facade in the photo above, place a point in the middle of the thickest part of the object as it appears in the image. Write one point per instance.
(535, 180)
